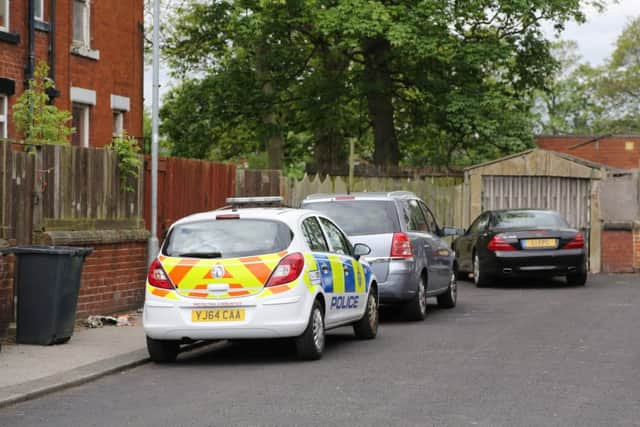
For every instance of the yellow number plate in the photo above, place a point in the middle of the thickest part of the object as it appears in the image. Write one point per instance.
(540, 244)
(218, 315)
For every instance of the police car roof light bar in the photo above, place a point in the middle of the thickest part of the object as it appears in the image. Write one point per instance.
(237, 202)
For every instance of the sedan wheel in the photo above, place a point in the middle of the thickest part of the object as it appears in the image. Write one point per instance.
(479, 278)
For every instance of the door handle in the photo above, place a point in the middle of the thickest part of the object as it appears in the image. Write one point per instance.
(427, 246)
(346, 270)
(324, 268)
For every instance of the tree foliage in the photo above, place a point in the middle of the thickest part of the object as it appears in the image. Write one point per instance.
(437, 82)
(38, 121)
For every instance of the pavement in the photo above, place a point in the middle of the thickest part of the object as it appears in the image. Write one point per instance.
(30, 371)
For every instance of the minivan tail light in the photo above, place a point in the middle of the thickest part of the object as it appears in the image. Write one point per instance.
(157, 277)
(401, 246)
(288, 270)
(576, 243)
(497, 243)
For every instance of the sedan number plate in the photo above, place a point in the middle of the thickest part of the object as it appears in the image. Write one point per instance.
(540, 244)
(218, 315)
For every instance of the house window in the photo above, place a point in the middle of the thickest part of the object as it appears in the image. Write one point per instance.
(80, 121)
(38, 10)
(4, 116)
(118, 123)
(81, 34)
(4, 15)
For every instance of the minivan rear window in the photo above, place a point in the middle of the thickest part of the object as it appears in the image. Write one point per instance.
(227, 238)
(360, 217)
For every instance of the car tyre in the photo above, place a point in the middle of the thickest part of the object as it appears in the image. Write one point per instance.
(449, 298)
(416, 309)
(310, 344)
(367, 327)
(162, 351)
(479, 278)
(579, 279)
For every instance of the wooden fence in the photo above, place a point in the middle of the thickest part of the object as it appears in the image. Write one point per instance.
(187, 186)
(444, 195)
(63, 187)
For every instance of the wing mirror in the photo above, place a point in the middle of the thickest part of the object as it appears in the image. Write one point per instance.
(452, 231)
(360, 249)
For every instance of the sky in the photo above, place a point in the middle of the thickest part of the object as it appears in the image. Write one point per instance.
(596, 38)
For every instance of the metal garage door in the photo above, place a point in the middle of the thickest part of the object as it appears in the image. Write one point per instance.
(569, 196)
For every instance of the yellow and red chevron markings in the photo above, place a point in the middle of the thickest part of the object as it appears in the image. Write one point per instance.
(245, 276)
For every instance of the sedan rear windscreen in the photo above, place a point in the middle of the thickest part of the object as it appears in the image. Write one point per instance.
(360, 217)
(524, 219)
(227, 238)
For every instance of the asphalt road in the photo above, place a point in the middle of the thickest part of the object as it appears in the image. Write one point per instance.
(528, 355)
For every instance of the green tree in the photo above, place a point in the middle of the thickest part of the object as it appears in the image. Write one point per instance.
(413, 82)
(38, 121)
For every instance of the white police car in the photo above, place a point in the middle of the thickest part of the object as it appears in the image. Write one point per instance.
(257, 273)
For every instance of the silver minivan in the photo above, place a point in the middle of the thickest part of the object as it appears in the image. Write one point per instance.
(408, 255)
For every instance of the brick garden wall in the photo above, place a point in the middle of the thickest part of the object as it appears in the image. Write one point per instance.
(636, 247)
(6, 293)
(617, 253)
(113, 279)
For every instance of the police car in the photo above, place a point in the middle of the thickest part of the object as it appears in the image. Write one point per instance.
(257, 273)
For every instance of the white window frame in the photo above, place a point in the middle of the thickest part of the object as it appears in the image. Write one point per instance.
(4, 118)
(86, 27)
(7, 8)
(86, 119)
(35, 14)
(119, 125)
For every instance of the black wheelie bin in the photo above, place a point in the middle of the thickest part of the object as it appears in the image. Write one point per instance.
(48, 283)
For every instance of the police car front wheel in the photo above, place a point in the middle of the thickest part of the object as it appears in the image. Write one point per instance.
(310, 344)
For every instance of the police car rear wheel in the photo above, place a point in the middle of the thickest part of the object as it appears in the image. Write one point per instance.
(162, 351)
(367, 327)
(310, 344)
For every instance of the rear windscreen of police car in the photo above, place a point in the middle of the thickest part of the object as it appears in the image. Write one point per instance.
(360, 217)
(227, 238)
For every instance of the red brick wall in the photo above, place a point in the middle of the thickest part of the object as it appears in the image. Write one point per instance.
(636, 249)
(6, 293)
(617, 251)
(116, 31)
(113, 279)
(609, 151)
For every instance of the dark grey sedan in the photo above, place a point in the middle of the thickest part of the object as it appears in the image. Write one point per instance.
(408, 255)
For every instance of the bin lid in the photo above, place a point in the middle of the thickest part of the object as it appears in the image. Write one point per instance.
(49, 250)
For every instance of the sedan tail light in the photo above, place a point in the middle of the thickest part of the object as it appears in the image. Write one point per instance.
(497, 243)
(287, 271)
(157, 276)
(401, 246)
(576, 243)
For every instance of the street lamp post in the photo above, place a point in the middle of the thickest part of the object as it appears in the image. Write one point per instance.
(152, 246)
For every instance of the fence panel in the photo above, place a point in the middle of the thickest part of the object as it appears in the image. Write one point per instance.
(187, 186)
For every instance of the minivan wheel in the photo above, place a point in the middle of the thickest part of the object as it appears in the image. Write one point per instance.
(450, 297)
(416, 309)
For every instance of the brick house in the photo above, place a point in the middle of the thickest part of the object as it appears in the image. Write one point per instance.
(618, 151)
(95, 53)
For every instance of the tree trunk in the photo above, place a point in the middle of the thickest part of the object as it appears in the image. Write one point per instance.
(379, 92)
(273, 137)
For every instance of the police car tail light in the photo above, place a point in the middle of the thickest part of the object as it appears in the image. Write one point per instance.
(287, 271)
(157, 277)
(401, 246)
